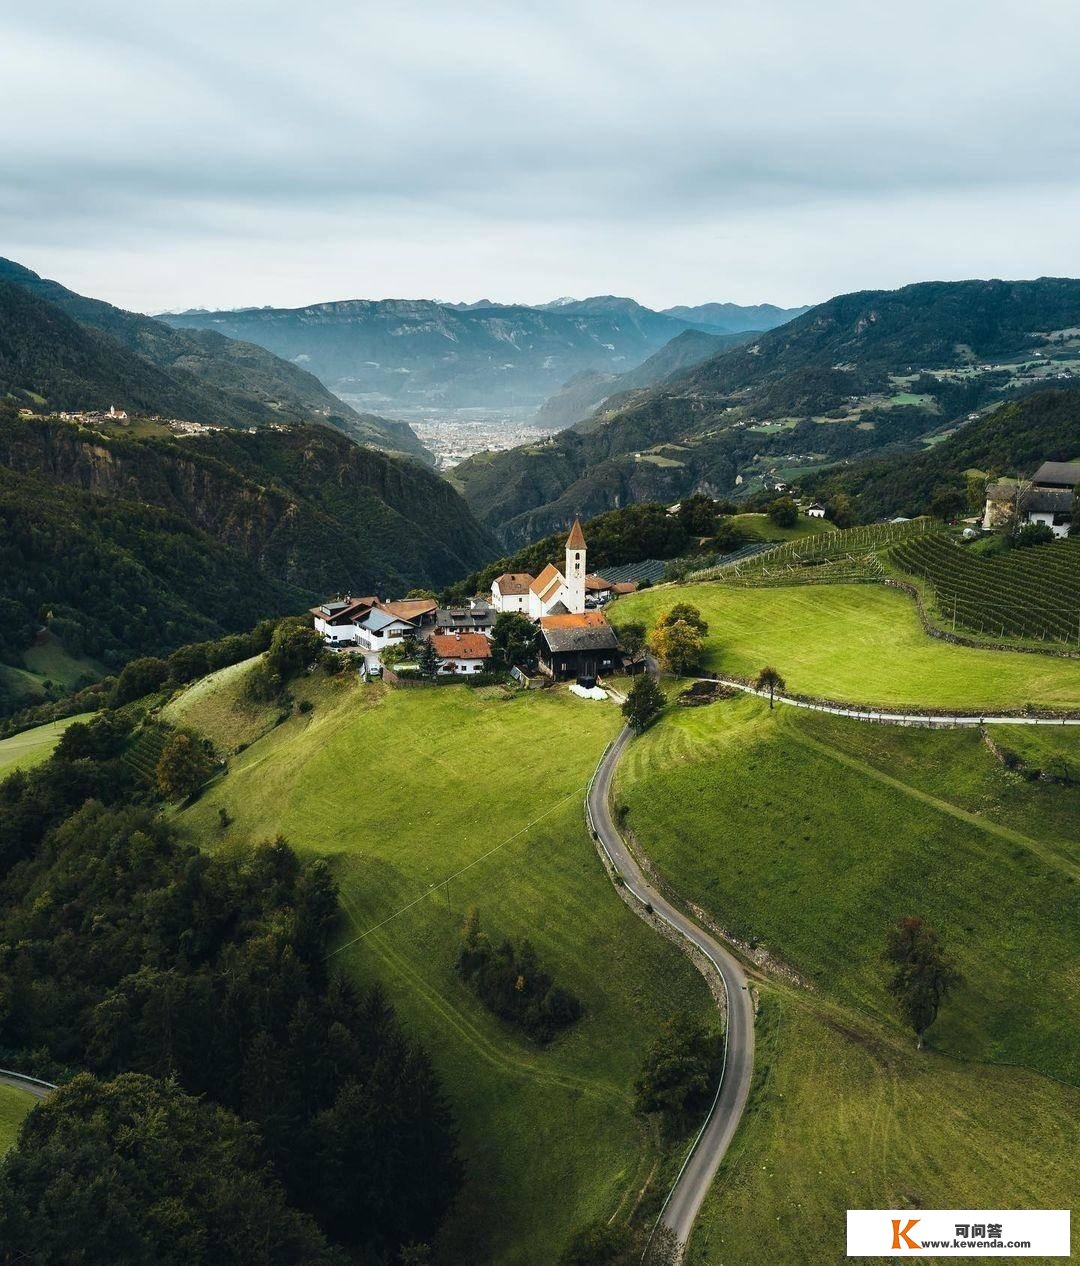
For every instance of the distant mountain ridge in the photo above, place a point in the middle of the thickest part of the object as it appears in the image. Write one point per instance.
(419, 352)
(62, 350)
(734, 318)
(860, 375)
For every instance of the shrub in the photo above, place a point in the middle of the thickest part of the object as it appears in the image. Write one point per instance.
(186, 762)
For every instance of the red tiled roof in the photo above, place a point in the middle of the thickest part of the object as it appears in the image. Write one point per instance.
(596, 584)
(461, 646)
(549, 580)
(513, 582)
(581, 620)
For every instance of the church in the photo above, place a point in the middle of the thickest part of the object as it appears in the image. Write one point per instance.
(553, 592)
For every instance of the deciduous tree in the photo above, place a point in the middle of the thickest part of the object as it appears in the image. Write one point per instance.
(923, 973)
(644, 702)
(769, 679)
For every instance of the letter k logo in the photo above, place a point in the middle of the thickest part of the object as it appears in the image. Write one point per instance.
(898, 1234)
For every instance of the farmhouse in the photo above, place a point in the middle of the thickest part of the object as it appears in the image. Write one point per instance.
(553, 591)
(1052, 506)
(367, 623)
(477, 617)
(1059, 475)
(1047, 499)
(815, 511)
(461, 652)
(578, 645)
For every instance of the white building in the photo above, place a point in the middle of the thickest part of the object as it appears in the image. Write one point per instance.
(366, 623)
(815, 511)
(553, 592)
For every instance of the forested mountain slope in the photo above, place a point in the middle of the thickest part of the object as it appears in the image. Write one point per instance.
(863, 374)
(1012, 440)
(76, 353)
(124, 546)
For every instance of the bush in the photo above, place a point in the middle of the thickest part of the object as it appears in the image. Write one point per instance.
(510, 982)
(1033, 534)
(139, 678)
(186, 762)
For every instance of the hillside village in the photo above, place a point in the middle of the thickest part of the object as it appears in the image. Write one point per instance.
(575, 640)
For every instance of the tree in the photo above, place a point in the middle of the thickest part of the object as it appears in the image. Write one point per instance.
(769, 679)
(140, 677)
(133, 1170)
(644, 702)
(687, 613)
(1033, 534)
(514, 640)
(631, 637)
(422, 593)
(784, 512)
(697, 514)
(924, 974)
(678, 1078)
(947, 503)
(184, 765)
(428, 661)
(677, 646)
(840, 510)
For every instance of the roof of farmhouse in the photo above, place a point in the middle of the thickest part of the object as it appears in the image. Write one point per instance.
(461, 646)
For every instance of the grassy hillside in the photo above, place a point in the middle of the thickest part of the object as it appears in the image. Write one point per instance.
(810, 835)
(405, 790)
(31, 747)
(858, 643)
(61, 350)
(14, 1105)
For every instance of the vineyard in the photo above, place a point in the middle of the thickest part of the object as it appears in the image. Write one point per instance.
(1025, 593)
(846, 557)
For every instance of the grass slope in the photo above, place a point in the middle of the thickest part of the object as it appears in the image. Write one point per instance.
(810, 836)
(31, 747)
(402, 789)
(858, 643)
(14, 1105)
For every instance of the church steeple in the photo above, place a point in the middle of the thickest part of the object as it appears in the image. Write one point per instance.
(575, 569)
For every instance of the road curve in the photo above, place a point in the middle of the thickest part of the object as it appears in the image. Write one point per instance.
(692, 1184)
(34, 1085)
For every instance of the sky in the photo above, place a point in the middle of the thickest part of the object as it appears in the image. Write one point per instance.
(168, 155)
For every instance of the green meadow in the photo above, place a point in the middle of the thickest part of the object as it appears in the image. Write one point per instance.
(857, 643)
(428, 802)
(31, 747)
(14, 1105)
(807, 836)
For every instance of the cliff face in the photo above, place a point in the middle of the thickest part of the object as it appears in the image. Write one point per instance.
(306, 506)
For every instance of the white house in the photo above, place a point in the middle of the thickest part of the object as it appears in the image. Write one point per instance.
(364, 622)
(815, 511)
(336, 618)
(1052, 506)
(461, 652)
(553, 591)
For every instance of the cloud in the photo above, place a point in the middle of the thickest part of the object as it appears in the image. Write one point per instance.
(182, 153)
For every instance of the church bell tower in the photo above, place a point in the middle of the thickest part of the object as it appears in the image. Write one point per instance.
(575, 569)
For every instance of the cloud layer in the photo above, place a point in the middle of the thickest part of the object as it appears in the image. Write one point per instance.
(190, 153)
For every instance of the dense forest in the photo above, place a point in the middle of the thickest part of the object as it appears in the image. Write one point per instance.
(276, 1097)
(124, 546)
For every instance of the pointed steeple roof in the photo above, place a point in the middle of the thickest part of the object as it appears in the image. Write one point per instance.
(576, 539)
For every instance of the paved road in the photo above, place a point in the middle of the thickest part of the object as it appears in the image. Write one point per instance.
(708, 1151)
(38, 1088)
(929, 719)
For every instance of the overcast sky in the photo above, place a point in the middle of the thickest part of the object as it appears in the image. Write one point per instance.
(165, 155)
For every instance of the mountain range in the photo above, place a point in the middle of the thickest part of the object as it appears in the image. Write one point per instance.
(420, 353)
(62, 351)
(862, 375)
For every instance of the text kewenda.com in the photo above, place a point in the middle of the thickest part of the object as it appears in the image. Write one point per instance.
(976, 1244)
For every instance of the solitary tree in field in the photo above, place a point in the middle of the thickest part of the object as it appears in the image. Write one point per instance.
(924, 974)
(183, 767)
(643, 703)
(769, 679)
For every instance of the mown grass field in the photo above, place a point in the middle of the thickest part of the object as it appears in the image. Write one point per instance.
(763, 528)
(809, 835)
(14, 1105)
(858, 643)
(31, 747)
(402, 789)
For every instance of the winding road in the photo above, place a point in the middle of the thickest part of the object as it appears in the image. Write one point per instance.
(34, 1085)
(692, 1184)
